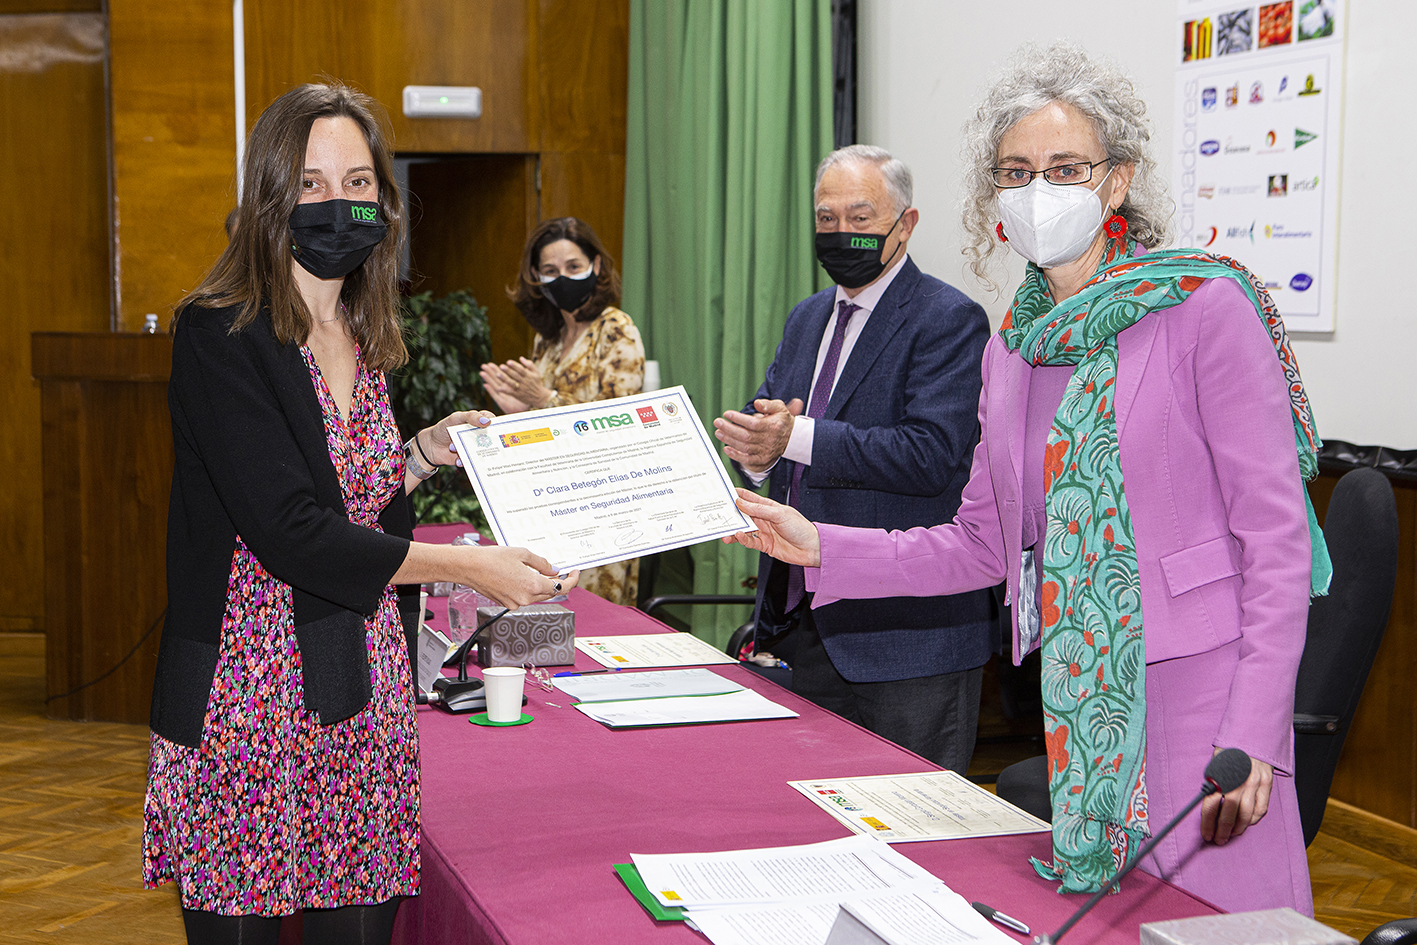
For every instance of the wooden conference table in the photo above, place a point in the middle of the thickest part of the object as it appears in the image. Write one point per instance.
(522, 825)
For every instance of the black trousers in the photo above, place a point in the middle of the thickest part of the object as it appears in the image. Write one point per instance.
(937, 717)
(347, 925)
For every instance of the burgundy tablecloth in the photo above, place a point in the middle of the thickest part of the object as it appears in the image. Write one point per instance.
(521, 825)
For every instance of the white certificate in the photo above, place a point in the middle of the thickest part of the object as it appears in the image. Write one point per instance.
(926, 913)
(745, 705)
(592, 484)
(832, 868)
(618, 687)
(638, 650)
(934, 805)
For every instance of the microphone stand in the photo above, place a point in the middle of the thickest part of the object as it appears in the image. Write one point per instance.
(1226, 772)
(449, 689)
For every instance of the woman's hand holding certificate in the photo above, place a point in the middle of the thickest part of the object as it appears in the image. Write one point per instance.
(590, 484)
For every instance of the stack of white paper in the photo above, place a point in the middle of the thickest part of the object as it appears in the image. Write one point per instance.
(613, 687)
(672, 697)
(646, 650)
(745, 705)
(793, 895)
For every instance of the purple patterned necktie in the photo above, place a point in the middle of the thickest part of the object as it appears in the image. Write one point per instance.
(816, 409)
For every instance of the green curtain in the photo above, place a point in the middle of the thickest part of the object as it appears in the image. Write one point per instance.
(730, 109)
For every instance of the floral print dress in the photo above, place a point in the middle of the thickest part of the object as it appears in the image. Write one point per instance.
(274, 812)
(607, 361)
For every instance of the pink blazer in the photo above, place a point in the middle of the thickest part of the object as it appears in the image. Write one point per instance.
(1212, 481)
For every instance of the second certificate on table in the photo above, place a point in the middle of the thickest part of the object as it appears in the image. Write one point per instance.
(592, 484)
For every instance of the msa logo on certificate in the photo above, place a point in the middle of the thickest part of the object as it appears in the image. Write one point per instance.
(542, 435)
(647, 417)
(602, 424)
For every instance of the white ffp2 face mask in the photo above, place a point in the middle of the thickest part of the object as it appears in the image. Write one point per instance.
(1051, 224)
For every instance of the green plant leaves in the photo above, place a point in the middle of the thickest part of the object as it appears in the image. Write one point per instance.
(448, 341)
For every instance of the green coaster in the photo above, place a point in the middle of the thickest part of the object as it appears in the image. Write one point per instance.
(482, 719)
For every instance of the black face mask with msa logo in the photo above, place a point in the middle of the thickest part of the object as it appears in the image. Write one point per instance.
(854, 259)
(331, 238)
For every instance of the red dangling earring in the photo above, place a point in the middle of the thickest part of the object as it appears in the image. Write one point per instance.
(1000, 230)
(1116, 226)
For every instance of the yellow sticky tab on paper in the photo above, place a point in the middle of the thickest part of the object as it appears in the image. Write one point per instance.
(874, 824)
(671, 894)
(524, 437)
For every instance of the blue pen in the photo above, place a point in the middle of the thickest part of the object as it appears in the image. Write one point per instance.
(589, 672)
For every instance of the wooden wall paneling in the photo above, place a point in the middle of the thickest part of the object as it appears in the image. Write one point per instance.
(290, 43)
(9, 7)
(380, 47)
(106, 423)
(589, 185)
(174, 148)
(53, 257)
(1378, 768)
(583, 48)
(471, 217)
(583, 83)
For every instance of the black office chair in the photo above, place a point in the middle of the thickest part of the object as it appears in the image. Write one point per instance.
(782, 675)
(1344, 630)
(740, 636)
(1400, 932)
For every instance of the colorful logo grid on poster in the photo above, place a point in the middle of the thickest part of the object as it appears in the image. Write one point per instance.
(1316, 19)
(1234, 32)
(1276, 24)
(1196, 40)
(1239, 32)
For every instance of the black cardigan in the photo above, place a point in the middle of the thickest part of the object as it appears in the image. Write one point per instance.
(251, 459)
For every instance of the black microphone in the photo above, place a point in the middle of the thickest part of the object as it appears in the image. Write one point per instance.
(452, 692)
(1226, 771)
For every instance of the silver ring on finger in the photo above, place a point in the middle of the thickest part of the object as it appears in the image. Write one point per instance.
(556, 586)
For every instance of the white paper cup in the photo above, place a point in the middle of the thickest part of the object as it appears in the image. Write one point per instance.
(504, 692)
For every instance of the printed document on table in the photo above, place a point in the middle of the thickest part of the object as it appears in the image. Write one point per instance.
(774, 874)
(745, 705)
(613, 687)
(592, 484)
(641, 650)
(433, 650)
(931, 913)
(933, 805)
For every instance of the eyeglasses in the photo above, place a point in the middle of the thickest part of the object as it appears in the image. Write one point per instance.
(1062, 174)
(540, 676)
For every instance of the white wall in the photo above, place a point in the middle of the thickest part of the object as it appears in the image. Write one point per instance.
(922, 64)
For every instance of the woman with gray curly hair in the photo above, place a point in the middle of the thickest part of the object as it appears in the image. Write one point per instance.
(1170, 612)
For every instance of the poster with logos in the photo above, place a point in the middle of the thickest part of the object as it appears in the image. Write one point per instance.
(1258, 96)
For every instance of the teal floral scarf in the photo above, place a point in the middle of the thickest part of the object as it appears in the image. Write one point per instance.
(1093, 649)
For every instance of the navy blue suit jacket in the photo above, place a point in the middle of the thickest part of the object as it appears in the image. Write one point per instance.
(892, 451)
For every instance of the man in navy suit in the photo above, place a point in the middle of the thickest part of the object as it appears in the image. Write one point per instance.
(868, 417)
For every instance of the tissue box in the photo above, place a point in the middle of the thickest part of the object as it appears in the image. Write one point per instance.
(540, 634)
(1269, 927)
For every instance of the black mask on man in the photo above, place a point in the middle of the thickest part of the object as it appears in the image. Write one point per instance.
(331, 238)
(570, 293)
(853, 259)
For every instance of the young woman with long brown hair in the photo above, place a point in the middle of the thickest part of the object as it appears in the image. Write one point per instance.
(284, 768)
